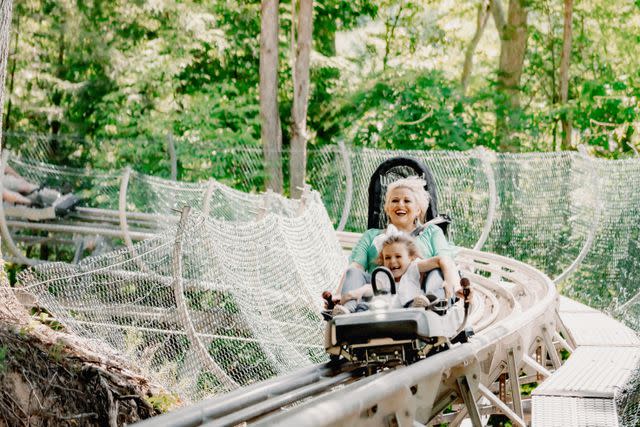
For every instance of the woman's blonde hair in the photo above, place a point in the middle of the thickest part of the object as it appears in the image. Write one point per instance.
(408, 241)
(416, 186)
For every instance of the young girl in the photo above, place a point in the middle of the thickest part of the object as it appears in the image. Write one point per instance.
(400, 255)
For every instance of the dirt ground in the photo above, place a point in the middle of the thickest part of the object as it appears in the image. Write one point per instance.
(50, 378)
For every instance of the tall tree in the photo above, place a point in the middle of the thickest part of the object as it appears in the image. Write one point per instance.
(565, 60)
(513, 46)
(298, 162)
(271, 132)
(484, 9)
(7, 119)
(6, 7)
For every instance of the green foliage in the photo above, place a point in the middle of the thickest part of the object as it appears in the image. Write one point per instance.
(407, 111)
(125, 75)
(4, 351)
(163, 402)
(236, 356)
(527, 389)
(499, 421)
(610, 118)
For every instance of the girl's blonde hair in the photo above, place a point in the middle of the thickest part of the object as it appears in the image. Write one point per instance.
(416, 186)
(408, 241)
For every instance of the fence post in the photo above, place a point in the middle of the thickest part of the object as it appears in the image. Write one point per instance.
(348, 197)
(171, 148)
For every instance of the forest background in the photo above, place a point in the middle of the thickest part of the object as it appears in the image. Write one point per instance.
(109, 82)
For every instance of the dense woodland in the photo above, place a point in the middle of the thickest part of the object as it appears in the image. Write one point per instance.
(511, 75)
(110, 81)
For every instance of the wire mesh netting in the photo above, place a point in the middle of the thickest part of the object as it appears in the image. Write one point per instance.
(571, 216)
(627, 400)
(567, 214)
(208, 305)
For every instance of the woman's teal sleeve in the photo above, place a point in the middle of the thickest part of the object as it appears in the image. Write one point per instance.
(440, 244)
(359, 252)
(434, 242)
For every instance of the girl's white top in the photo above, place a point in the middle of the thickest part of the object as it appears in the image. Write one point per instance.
(409, 286)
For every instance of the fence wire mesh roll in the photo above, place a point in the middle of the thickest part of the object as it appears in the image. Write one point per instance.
(236, 304)
(627, 400)
(572, 216)
(551, 209)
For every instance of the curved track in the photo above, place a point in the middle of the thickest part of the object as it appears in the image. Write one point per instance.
(515, 318)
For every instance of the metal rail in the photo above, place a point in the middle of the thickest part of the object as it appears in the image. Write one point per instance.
(240, 399)
(520, 303)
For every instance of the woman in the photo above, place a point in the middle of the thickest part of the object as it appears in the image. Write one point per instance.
(405, 204)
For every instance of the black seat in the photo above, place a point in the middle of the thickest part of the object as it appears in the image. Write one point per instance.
(392, 170)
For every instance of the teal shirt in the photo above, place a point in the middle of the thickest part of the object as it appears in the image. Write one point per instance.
(430, 243)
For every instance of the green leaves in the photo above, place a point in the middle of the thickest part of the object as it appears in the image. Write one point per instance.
(408, 111)
(383, 74)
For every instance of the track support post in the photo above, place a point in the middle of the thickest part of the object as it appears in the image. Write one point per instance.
(469, 398)
(514, 383)
(551, 348)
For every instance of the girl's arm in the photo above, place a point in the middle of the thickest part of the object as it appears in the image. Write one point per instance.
(448, 268)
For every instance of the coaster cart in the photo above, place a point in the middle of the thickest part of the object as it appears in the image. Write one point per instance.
(383, 336)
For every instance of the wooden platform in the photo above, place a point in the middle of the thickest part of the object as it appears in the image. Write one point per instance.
(582, 391)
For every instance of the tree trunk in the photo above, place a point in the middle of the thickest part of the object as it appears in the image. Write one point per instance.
(483, 16)
(298, 161)
(271, 133)
(497, 11)
(513, 47)
(6, 8)
(389, 34)
(565, 60)
(7, 119)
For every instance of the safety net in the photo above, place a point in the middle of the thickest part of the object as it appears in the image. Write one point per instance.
(209, 304)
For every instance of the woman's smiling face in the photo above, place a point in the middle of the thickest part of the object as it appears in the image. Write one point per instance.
(402, 209)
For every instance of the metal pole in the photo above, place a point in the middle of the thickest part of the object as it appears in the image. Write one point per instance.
(514, 383)
(348, 197)
(172, 156)
(595, 186)
(469, 401)
(4, 229)
(181, 305)
(503, 406)
(206, 201)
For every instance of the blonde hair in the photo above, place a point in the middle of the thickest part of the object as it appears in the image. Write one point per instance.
(408, 241)
(416, 186)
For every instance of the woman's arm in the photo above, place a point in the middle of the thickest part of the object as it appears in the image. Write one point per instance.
(449, 271)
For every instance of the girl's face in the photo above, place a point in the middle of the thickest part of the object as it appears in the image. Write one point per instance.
(402, 209)
(396, 258)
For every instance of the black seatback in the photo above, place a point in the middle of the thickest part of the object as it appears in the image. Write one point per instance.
(392, 170)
